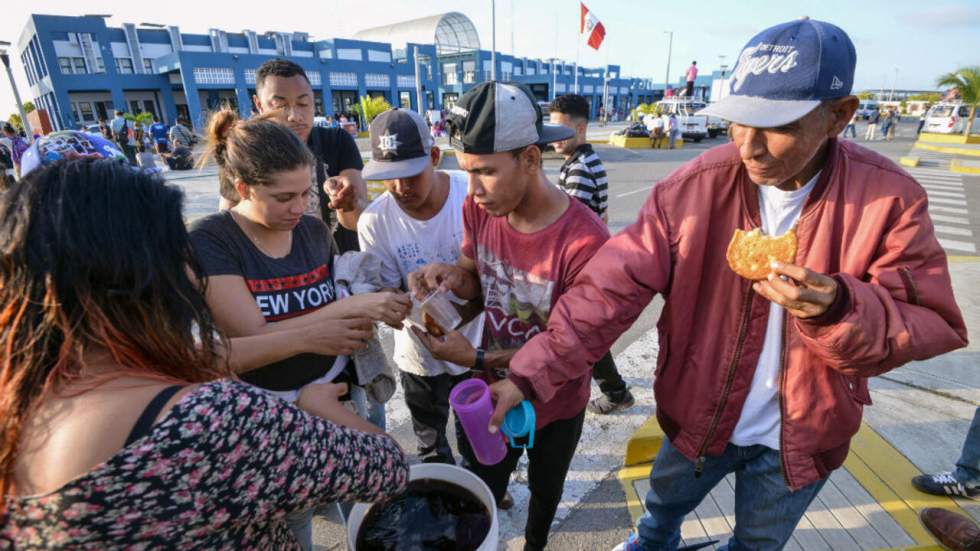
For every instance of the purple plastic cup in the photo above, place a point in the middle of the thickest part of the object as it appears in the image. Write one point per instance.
(470, 400)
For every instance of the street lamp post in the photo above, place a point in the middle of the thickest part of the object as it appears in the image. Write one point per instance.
(5, 58)
(891, 97)
(418, 83)
(670, 47)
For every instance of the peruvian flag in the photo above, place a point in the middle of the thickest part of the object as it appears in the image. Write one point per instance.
(592, 28)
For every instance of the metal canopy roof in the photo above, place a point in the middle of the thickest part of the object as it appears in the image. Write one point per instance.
(451, 32)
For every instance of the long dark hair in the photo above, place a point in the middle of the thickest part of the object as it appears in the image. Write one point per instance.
(94, 254)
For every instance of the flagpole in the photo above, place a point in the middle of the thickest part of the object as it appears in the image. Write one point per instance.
(554, 72)
(493, 39)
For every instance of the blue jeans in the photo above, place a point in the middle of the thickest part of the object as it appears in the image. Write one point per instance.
(766, 511)
(968, 467)
(368, 409)
(300, 523)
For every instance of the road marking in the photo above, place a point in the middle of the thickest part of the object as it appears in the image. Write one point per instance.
(945, 201)
(949, 219)
(947, 194)
(946, 176)
(942, 187)
(936, 179)
(954, 231)
(950, 210)
(957, 245)
(635, 191)
(938, 173)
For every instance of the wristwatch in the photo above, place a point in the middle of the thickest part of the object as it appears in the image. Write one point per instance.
(480, 355)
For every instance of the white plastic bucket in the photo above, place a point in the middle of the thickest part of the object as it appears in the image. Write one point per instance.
(448, 473)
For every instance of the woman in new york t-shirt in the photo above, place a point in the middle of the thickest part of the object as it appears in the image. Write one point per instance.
(269, 267)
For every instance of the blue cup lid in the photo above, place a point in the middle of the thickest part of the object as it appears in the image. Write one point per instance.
(519, 422)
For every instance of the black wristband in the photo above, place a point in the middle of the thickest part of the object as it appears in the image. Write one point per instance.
(480, 356)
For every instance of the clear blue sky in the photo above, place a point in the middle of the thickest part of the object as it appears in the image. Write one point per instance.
(922, 38)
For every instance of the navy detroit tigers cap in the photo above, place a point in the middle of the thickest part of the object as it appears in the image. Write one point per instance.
(785, 71)
(400, 146)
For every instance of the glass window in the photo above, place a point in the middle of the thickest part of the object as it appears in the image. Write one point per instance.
(79, 63)
(405, 100)
(124, 65)
(85, 110)
(214, 75)
(353, 54)
(406, 81)
(379, 56)
(376, 80)
(65, 64)
(148, 65)
(343, 79)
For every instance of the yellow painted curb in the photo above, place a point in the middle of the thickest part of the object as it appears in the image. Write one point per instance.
(957, 166)
(887, 475)
(878, 466)
(950, 150)
(963, 258)
(909, 161)
(932, 137)
(629, 143)
(627, 476)
(645, 443)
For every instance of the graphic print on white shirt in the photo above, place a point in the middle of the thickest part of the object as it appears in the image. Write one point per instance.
(404, 245)
(760, 419)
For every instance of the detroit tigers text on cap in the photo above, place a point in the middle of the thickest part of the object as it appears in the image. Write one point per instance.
(494, 117)
(785, 71)
(400, 146)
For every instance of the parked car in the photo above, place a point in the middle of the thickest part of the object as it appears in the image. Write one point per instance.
(866, 108)
(949, 118)
(693, 127)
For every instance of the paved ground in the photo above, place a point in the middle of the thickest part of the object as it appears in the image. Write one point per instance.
(593, 515)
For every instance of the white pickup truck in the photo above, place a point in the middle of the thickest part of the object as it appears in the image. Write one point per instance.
(693, 127)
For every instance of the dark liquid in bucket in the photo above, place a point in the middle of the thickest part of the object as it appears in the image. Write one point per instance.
(432, 515)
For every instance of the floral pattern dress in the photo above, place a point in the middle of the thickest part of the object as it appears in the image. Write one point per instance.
(220, 470)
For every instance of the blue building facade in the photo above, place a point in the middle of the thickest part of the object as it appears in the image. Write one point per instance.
(80, 70)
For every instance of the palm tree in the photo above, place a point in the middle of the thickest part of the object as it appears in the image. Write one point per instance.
(967, 81)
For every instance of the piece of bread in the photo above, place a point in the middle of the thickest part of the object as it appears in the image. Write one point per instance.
(751, 253)
(431, 326)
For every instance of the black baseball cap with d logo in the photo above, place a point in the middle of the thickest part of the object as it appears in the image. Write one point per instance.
(494, 117)
(400, 146)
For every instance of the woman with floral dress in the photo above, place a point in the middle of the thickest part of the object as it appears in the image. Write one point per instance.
(119, 425)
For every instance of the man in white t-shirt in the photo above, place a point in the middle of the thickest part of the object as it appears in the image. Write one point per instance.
(417, 221)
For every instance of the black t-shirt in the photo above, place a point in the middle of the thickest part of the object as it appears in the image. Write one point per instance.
(335, 151)
(297, 284)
